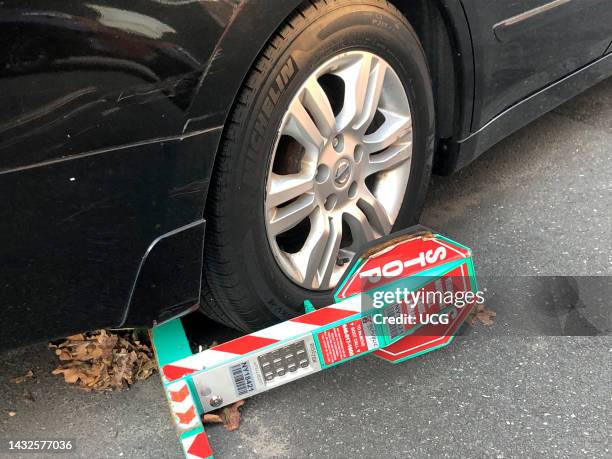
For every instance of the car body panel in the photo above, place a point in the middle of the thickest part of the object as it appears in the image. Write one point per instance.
(76, 76)
(460, 154)
(541, 42)
(75, 232)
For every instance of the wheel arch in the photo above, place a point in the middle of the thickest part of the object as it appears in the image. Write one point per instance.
(443, 31)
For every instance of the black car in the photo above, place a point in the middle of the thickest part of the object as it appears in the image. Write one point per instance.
(162, 155)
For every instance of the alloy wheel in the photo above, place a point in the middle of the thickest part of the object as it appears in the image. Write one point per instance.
(340, 167)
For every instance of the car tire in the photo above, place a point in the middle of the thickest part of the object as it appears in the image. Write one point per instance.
(244, 286)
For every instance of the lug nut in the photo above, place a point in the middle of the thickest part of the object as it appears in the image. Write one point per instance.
(352, 192)
(358, 153)
(338, 143)
(331, 202)
(322, 173)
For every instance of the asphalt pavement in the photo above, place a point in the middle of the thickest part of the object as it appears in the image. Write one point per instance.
(535, 209)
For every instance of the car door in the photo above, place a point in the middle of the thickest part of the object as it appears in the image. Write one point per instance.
(523, 46)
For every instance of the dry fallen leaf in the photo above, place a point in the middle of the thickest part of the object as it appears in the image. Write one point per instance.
(483, 315)
(20, 379)
(229, 416)
(104, 360)
(212, 418)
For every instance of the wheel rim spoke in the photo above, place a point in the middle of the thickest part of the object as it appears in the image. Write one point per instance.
(356, 80)
(361, 229)
(389, 158)
(372, 96)
(330, 256)
(308, 260)
(317, 102)
(289, 216)
(302, 128)
(284, 188)
(375, 212)
(317, 260)
(396, 128)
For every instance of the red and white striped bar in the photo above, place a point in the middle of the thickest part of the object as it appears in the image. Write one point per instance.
(247, 344)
